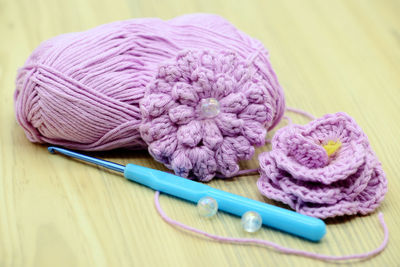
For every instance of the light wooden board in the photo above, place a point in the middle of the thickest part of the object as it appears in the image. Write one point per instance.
(329, 56)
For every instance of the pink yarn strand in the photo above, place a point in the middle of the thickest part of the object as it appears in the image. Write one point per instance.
(239, 173)
(253, 241)
(301, 112)
(288, 119)
(248, 171)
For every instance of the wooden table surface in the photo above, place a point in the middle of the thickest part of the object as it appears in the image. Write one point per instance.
(329, 56)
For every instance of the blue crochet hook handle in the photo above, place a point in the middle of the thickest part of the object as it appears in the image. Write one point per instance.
(282, 219)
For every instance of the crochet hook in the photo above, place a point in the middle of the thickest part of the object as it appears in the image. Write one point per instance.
(282, 219)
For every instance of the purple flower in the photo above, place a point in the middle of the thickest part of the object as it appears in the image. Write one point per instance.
(323, 169)
(205, 111)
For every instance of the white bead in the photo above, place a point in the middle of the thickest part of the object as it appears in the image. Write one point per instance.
(251, 221)
(210, 107)
(207, 207)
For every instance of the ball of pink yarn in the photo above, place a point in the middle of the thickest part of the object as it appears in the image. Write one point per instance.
(300, 172)
(94, 90)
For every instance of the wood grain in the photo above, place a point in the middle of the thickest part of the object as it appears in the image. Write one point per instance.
(329, 56)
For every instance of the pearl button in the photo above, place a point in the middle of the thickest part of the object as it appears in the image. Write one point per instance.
(210, 107)
(251, 221)
(207, 207)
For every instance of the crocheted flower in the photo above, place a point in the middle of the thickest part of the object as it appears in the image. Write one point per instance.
(323, 169)
(204, 111)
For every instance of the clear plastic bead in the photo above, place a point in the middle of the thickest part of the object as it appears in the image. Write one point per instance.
(210, 107)
(251, 221)
(207, 207)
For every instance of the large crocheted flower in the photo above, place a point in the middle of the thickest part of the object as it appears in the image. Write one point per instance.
(205, 111)
(323, 169)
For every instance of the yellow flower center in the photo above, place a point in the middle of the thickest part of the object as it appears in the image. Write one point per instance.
(332, 146)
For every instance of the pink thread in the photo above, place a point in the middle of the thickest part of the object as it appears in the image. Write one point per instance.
(288, 119)
(140, 83)
(299, 172)
(253, 241)
(301, 112)
(241, 172)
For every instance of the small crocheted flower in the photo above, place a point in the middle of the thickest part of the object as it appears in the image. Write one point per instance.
(323, 169)
(204, 111)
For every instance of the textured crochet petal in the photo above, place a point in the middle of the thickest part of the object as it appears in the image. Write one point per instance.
(185, 61)
(163, 149)
(189, 134)
(227, 62)
(169, 73)
(212, 136)
(255, 112)
(242, 147)
(229, 124)
(256, 94)
(346, 163)
(155, 104)
(204, 165)
(181, 114)
(223, 86)
(306, 152)
(208, 60)
(373, 195)
(232, 150)
(233, 103)
(181, 163)
(226, 160)
(339, 125)
(254, 132)
(159, 86)
(202, 79)
(268, 183)
(366, 201)
(241, 75)
(157, 128)
(185, 94)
